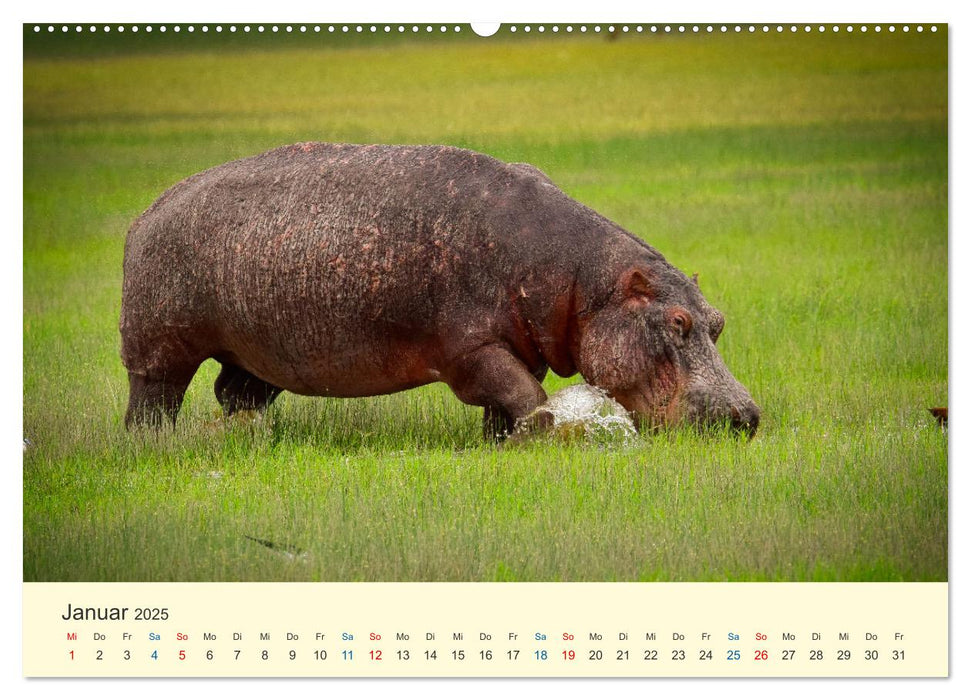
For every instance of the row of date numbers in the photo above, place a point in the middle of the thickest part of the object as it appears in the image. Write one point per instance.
(538, 655)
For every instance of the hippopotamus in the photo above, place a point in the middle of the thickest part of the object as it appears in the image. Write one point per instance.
(357, 270)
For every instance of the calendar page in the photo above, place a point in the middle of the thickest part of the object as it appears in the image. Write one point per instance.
(512, 350)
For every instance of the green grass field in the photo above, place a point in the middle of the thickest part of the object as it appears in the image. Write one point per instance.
(803, 176)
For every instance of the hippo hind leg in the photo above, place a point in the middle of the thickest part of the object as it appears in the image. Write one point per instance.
(154, 398)
(238, 390)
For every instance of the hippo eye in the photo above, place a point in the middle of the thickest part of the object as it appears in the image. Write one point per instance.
(682, 322)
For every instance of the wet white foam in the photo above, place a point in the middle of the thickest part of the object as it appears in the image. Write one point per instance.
(589, 411)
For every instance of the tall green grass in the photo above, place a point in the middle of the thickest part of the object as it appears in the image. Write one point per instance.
(804, 177)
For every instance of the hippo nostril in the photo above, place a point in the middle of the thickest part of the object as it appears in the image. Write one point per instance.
(747, 421)
(753, 422)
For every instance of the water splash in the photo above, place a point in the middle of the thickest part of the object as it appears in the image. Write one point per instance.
(586, 412)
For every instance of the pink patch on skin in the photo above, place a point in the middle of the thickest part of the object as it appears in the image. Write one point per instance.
(658, 404)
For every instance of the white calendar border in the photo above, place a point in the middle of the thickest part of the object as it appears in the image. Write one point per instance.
(507, 10)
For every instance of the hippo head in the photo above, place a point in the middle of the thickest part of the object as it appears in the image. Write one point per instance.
(650, 343)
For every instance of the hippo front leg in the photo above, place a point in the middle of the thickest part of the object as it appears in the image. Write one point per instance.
(497, 423)
(494, 378)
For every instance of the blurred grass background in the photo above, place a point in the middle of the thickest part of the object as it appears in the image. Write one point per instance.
(803, 176)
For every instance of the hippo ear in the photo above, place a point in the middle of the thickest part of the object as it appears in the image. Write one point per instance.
(637, 286)
(694, 278)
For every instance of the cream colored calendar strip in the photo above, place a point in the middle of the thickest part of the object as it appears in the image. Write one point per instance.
(485, 629)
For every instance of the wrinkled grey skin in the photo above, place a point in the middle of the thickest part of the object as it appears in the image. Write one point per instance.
(342, 270)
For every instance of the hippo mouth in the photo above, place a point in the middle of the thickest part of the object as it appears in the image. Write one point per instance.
(747, 422)
(649, 415)
(742, 417)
